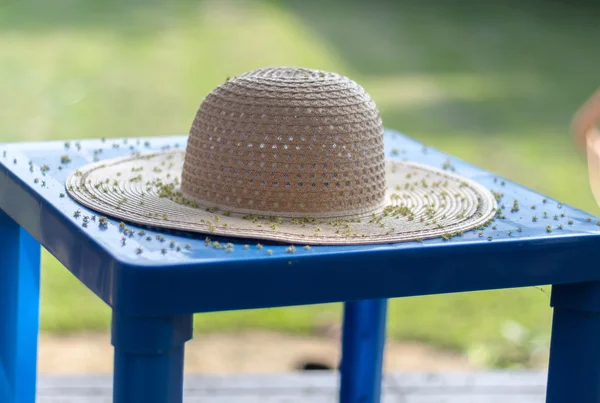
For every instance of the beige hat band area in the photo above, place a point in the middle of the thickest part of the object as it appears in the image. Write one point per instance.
(289, 187)
(285, 154)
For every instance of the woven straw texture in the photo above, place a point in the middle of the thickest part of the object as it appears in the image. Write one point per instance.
(289, 141)
(285, 154)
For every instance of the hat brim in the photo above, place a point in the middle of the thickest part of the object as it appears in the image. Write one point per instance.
(422, 202)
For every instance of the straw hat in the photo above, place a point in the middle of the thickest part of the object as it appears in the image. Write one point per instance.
(285, 154)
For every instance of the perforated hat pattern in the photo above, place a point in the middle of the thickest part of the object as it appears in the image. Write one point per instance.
(287, 141)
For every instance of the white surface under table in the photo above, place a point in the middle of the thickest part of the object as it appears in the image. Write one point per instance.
(318, 387)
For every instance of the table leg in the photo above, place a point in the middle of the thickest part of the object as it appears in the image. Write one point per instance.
(149, 358)
(19, 312)
(574, 368)
(363, 342)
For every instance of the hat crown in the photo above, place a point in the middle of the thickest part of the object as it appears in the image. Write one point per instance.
(287, 141)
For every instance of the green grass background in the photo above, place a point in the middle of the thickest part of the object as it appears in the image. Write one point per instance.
(494, 83)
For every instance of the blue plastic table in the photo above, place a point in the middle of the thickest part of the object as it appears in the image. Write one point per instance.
(155, 281)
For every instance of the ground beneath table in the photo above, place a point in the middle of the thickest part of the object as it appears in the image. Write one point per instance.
(317, 387)
(247, 352)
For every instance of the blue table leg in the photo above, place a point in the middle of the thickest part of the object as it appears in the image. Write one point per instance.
(363, 342)
(19, 312)
(149, 358)
(574, 368)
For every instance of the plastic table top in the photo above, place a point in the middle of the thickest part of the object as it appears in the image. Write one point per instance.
(183, 274)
